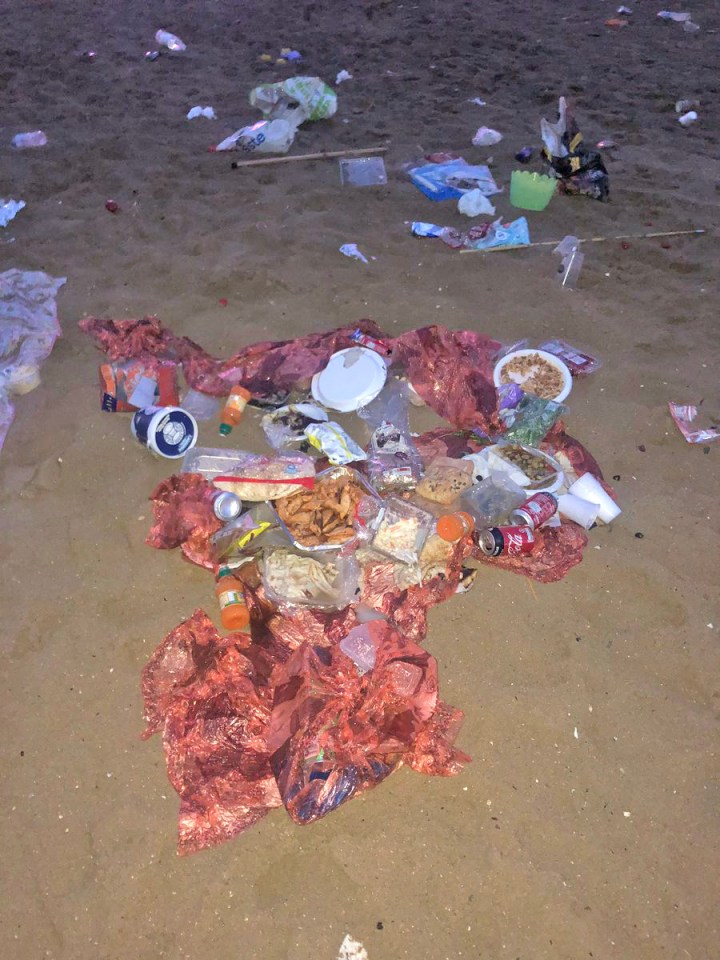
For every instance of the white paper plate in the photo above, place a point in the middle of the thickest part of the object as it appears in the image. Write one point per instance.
(551, 358)
(352, 378)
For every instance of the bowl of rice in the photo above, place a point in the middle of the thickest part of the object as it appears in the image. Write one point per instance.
(535, 371)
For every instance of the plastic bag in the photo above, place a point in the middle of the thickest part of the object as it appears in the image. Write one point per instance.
(450, 180)
(499, 234)
(492, 500)
(265, 136)
(251, 476)
(578, 363)
(215, 746)
(532, 420)
(28, 330)
(579, 170)
(285, 427)
(394, 463)
(473, 203)
(183, 517)
(131, 385)
(334, 733)
(314, 97)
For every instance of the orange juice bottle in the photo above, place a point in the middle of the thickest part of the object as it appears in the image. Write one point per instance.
(234, 409)
(234, 614)
(452, 526)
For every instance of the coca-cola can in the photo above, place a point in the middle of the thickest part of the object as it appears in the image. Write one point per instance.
(535, 511)
(510, 541)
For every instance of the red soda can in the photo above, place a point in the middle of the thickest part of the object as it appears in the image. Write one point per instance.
(535, 511)
(373, 343)
(510, 541)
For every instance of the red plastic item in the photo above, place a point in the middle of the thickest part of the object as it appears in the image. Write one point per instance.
(111, 206)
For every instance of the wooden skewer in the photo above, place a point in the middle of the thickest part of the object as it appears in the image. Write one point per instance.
(626, 236)
(325, 155)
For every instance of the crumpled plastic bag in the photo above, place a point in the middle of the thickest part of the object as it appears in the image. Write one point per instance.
(579, 169)
(264, 368)
(452, 370)
(182, 508)
(248, 725)
(28, 329)
(313, 96)
(200, 691)
(334, 733)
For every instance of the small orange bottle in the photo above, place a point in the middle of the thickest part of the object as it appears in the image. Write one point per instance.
(234, 409)
(234, 614)
(452, 526)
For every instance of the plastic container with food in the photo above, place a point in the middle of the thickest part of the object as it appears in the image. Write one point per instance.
(535, 371)
(528, 467)
(252, 476)
(297, 578)
(402, 530)
(324, 518)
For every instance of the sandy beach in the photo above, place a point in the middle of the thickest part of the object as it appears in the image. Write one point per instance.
(587, 824)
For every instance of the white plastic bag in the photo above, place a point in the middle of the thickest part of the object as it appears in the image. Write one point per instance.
(486, 137)
(473, 203)
(28, 329)
(265, 136)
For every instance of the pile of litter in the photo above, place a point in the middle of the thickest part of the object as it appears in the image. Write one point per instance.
(329, 552)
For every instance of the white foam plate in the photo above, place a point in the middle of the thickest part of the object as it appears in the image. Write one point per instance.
(352, 378)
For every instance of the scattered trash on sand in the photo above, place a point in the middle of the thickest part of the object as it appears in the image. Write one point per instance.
(486, 137)
(163, 38)
(363, 172)
(324, 575)
(688, 118)
(578, 169)
(28, 329)
(684, 416)
(9, 209)
(351, 250)
(206, 112)
(352, 949)
(26, 141)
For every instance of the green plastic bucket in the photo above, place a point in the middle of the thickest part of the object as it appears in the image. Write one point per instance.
(531, 191)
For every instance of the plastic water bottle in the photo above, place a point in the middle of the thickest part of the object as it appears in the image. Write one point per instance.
(164, 38)
(24, 140)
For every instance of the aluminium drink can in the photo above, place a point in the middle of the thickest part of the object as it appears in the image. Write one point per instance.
(535, 511)
(509, 541)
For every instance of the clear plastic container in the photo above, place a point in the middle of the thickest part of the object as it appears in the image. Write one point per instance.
(492, 500)
(363, 172)
(298, 578)
(402, 530)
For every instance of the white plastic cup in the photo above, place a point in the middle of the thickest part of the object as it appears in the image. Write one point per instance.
(582, 512)
(587, 487)
(687, 118)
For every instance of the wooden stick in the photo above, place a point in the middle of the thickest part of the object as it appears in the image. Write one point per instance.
(325, 155)
(626, 236)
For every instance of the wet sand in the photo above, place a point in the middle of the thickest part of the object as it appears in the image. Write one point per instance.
(549, 845)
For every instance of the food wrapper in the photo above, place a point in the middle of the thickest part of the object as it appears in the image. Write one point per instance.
(579, 364)
(324, 518)
(330, 439)
(285, 427)
(532, 420)
(251, 476)
(130, 385)
(311, 95)
(684, 415)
